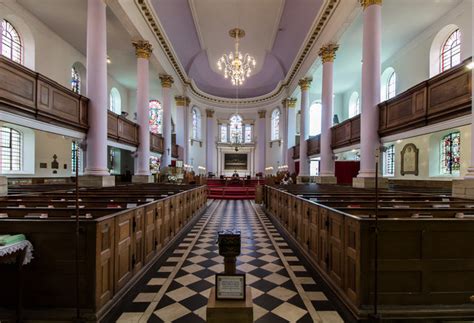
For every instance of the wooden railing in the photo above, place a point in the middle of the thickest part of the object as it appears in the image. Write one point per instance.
(23, 91)
(122, 129)
(156, 143)
(313, 145)
(346, 133)
(445, 96)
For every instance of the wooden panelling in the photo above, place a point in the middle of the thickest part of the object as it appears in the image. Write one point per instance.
(156, 143)
(346, 133)
(138, 240)
(122, 129)
(150, 232)
(314, 145)
(123, 249)
(105, 262)
(26, 92)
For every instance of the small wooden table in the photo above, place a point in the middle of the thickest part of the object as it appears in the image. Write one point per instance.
(229, 311)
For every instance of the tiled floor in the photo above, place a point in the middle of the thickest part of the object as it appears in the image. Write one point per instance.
(282, 289)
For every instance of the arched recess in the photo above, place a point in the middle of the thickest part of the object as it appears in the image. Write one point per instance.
(29, 47)
(437, 45)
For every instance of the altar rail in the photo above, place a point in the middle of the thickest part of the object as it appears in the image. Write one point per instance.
(424, 264)
(116, 246)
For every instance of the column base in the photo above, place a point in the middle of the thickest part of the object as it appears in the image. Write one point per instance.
(96, 181)
(3, 185)
(463, 188)
(304, 179)
(143, 179)
(325, 180)
(368, 182)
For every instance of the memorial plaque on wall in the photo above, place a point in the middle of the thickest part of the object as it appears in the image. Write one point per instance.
(409, 164)
(235, 161)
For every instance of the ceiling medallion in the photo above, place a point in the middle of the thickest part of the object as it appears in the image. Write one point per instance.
(236, 66)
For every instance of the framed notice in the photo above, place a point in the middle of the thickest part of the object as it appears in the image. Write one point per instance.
(231, 287)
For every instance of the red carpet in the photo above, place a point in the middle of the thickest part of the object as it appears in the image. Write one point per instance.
(231, 190)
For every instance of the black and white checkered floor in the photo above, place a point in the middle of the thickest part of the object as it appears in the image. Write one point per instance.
(177, 290)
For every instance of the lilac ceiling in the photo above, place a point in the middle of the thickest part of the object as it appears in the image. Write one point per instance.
(177, 21)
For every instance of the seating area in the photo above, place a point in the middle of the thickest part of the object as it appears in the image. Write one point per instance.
(230, 188)
(424, 262)
(122, 231)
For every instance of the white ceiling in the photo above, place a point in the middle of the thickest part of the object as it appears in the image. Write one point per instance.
(259, 19)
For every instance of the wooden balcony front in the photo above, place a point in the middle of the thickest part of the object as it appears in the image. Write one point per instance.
(156, 143)
(121, 129)
(346, 133)
(25, 92)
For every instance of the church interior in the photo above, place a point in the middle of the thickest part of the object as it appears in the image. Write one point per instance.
(236, 161)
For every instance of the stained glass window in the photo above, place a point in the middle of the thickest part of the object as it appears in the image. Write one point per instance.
(115, 101)
(450, 154)
(196, 130)
(248, 133)
(12, 46)
(315, 119)
(391, 86)
(451, 51)
(275, 124)
(156, 117)
(11, 149)
(75, 81)
(236, 129)
(223, 133)
(389, 160)
(354, 105)
(75, 158)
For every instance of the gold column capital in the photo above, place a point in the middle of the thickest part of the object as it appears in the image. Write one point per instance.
(166, 80)
(305, 83)
(209, 113)
(143, 48)
(368, 3)
(289, 102)
(182, 101)
(262, 113)
(328, 52)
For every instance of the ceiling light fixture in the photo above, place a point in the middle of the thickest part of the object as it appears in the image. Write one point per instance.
(108, 60)
(236, 66)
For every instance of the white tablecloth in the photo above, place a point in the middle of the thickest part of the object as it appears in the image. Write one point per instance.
(9, 249)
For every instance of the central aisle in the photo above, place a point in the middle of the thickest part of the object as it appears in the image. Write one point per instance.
(282, 289)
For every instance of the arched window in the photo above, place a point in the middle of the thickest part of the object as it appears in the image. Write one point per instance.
(392, 85)
(236, 129)
(389, 161)
(450, 157)
(115, 101)
(196, 130)
(354, 104)
(12, 46)
(156, 117)
(223, 132)
(315, 119)
(75, 81)
(451, 51)
(11, 150)
(275, 127)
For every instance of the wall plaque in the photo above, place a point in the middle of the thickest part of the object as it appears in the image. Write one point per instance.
(409, 164)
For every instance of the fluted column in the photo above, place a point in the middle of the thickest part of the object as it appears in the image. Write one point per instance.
(166, 83)
(96, 82)
(371, 48)
(326, 168)
(143, 51)
(182, 135)
(261, 139)
(304, 127)
(210, 140)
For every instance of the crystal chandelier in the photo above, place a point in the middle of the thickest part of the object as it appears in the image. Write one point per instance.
(235, 65)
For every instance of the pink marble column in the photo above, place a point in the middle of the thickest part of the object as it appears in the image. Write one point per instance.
(372, 37)
(143, 51)
(261, 139)
(182, 137)
(327, 54)
(288, 116)
(470, 170)
(166, 83)
(97, 88)
(304, 126)
(210, 141)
